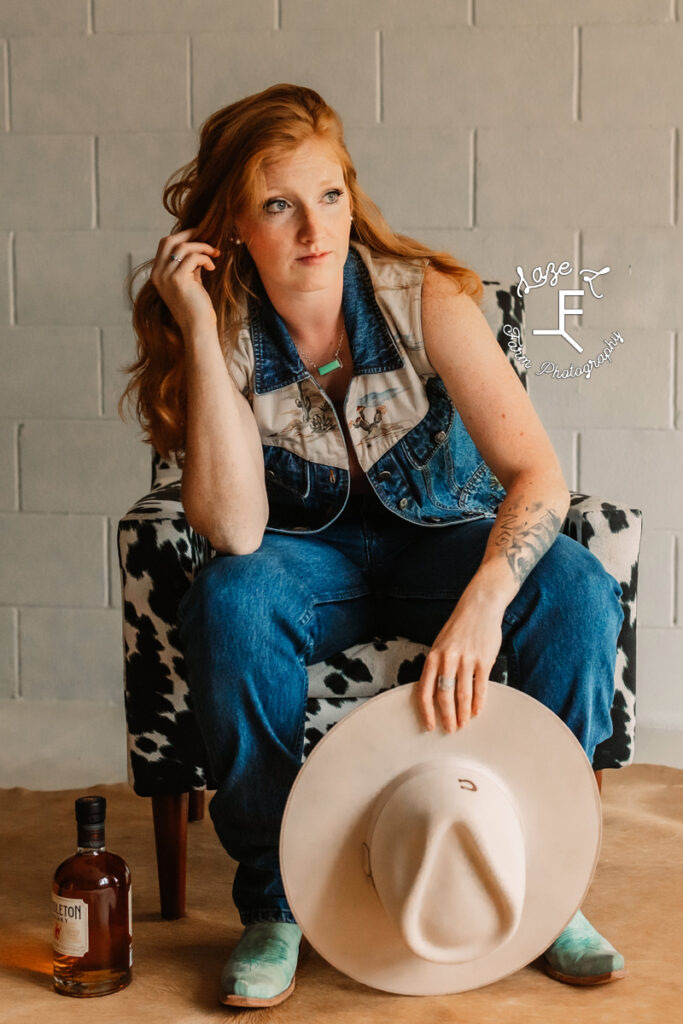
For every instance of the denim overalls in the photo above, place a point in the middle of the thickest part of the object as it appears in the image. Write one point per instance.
(410, 440)
(333, 571)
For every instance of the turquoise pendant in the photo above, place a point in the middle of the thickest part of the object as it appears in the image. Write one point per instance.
(334, 364)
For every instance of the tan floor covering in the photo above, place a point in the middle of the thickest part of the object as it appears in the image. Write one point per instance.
(636, 900)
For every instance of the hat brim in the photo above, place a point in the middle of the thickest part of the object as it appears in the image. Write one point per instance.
(325, 820)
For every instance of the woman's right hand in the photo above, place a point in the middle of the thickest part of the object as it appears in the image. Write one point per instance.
(179, 281)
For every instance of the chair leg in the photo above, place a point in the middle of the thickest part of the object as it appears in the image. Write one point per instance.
(196, 808)
(598, 778)
(170, 813)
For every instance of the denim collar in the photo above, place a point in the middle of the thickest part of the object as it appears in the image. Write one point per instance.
(276, 359)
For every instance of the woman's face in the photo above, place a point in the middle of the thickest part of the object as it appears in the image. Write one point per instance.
(305, 210)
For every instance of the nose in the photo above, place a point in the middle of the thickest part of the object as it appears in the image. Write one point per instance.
(310, 226)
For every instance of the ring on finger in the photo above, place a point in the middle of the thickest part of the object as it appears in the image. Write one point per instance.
(174, 257)
(445, 682)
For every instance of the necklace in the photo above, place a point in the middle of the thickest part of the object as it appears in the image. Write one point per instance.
(334, 363)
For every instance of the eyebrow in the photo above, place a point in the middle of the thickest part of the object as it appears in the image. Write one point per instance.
(323, 184)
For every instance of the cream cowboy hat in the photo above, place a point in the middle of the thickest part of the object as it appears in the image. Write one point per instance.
(428, 863)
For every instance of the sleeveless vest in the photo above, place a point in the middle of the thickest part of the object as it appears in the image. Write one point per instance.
(410, 440)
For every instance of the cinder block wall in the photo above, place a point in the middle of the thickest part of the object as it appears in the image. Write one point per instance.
(510, 133)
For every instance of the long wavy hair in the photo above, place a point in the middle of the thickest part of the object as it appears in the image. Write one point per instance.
(209, 194)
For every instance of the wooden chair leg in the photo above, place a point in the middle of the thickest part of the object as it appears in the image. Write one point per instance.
(598, 778)
(170, 813)
(196, 808)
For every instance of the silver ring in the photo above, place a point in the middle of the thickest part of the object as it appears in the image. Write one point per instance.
(445, 682)
(178, 258)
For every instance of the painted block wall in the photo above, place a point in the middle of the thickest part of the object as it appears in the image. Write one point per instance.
(510, 133)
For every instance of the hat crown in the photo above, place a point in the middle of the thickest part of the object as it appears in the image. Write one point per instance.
(447, 858)
(325, 839)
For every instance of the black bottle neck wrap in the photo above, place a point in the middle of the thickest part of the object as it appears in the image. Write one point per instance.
(91, 836)
(90, 815)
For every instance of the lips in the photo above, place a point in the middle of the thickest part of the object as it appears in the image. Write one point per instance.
(313, 257)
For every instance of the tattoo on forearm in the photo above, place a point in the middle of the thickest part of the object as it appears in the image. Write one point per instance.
(526, 544)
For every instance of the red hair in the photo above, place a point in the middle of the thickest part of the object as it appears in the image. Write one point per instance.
(224, 180)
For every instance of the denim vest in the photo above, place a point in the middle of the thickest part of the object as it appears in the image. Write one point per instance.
(410, 440)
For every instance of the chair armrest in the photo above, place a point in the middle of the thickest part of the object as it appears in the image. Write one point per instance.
(612, 532)
(162, 502)
(159, 555)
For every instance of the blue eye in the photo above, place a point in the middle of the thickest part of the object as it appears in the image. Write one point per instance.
(267, 206)
(336, 192)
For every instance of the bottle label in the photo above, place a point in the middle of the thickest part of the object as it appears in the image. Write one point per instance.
(71, 926)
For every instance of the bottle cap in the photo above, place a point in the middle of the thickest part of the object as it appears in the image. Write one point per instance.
(91, 810)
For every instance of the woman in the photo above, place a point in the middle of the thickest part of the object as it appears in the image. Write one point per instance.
(329, 389)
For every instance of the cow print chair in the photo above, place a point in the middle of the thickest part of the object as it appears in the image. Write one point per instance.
(159, 554)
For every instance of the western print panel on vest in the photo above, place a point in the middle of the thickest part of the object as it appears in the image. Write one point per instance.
(409, 438)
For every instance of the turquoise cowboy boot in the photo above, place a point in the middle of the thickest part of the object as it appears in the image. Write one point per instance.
(581, 956)
(260, 969)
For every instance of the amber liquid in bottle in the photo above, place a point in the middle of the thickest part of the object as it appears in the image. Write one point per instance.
(91, 898)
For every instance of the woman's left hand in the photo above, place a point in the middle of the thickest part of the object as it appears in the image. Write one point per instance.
(465, 648)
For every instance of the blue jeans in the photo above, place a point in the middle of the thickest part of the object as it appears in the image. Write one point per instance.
(250, 624)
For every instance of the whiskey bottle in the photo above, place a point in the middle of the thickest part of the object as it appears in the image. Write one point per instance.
(92, 904)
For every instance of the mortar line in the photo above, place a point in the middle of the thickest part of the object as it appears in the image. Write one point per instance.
(277, 12)
(90, 25)
(471, 13)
